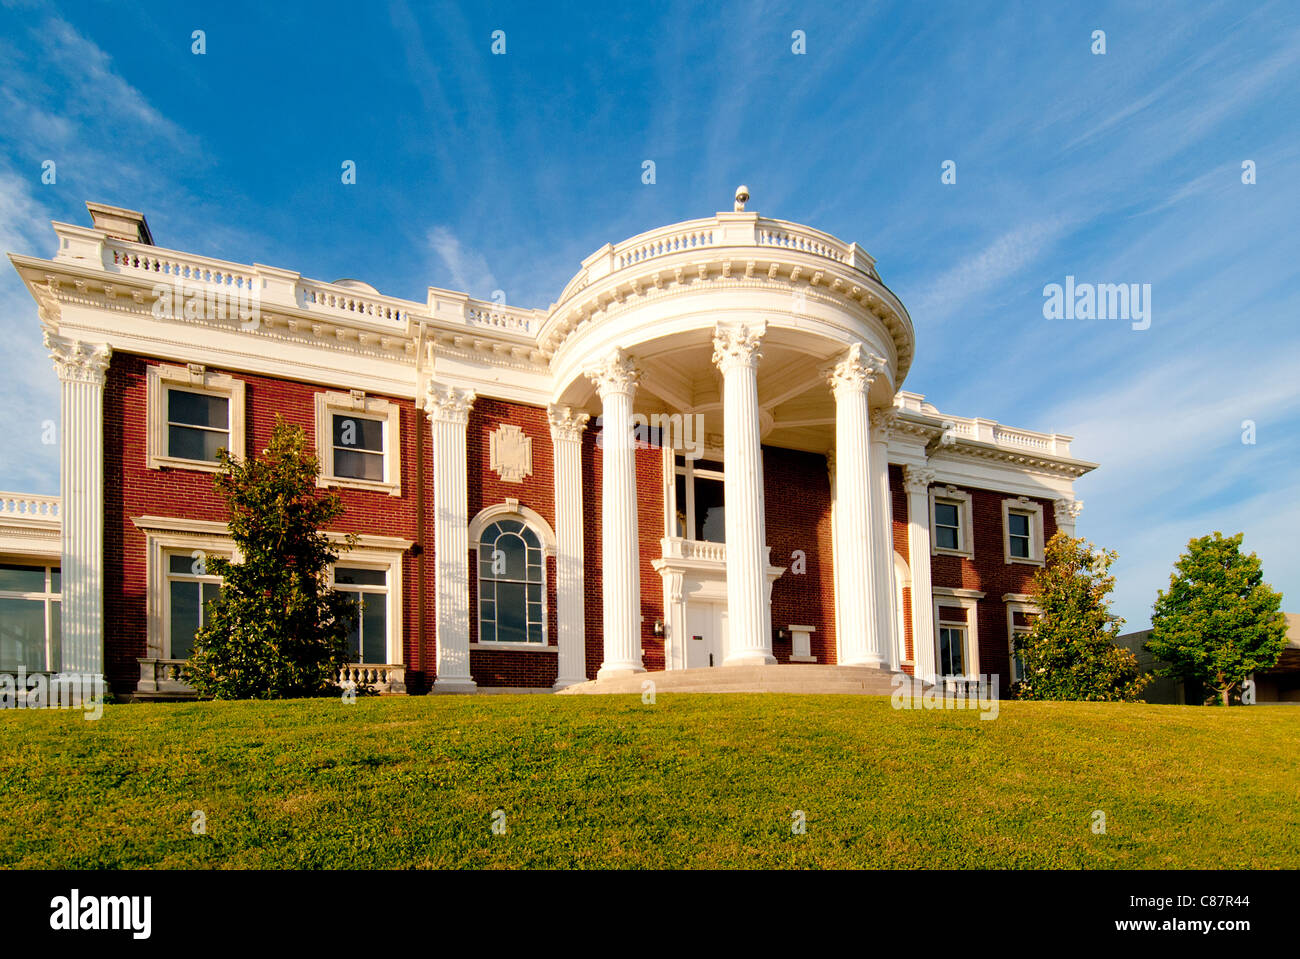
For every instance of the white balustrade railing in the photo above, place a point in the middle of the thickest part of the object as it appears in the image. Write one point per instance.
(314, 295)
(499, 317)
(184, 267)
(31, 506)
(167, 677)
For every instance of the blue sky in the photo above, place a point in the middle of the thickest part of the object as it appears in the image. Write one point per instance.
(482, 172)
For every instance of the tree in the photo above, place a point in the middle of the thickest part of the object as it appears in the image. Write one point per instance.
(275, 630)
(1220, 621)
(1070, 652)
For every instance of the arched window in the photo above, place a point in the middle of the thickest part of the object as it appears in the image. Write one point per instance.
(511, 583)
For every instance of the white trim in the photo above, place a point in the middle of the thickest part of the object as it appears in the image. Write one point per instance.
(175, 524)
(968, 600)
(157, 547)
(1034, 510)
(902, 576)
(391, 561)
(965, 519)
(364, 407)
(1016, 603)
(192, 379)
(511, 508)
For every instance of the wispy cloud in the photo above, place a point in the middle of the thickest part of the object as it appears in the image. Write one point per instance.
(468, 270)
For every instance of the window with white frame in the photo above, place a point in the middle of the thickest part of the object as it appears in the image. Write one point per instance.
(190, 589)
(1021, 611)
(193, 413)
(511, 583)
(29, 617)
(696, 504)
(357, 441)
(952, 650)
(951, 525)
(368, 589)
(1022, 531)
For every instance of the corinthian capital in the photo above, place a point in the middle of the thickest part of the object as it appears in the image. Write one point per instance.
(1067, 510)
(737, 345)
(566, 423)
(882, 425)
(856, 371)
(447, 404)
(78, 362)
(917, 479)
(616, 373)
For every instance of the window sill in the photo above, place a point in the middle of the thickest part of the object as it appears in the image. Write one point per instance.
(517, 647)
(1023, 561)
(940, 551)
(392, 489)
(175, 463)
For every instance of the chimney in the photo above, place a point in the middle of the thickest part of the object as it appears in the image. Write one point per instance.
(120, 224)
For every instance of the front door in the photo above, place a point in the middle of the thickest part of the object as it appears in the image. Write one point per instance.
(706, 634)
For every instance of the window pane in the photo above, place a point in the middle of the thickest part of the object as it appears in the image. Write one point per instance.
(198, 409)
(195, 444)
(710, 517)
(951, 652)
(351, 464)
(531, 539)
(515, 556)
(56, 580)
(182, 564)
(374, 629)
(354, 634)
(22, 634)
(510, 526)
(353, 432)
(679, 520)
(360, 577)
(946, 537)
(1020, 547)
(184, 618)
(22, 579)
(1019, 524)
(945, 514)
(510, 613)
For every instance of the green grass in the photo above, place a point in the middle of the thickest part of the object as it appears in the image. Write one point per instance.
(692, 781)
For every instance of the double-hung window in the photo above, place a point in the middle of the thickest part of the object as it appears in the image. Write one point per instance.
(358, 442)
(193, 413)
(29, 617)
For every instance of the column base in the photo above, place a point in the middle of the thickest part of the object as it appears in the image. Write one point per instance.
(750, 658)
(453, 685)
(618, 672)
(877, 662)
(563, 683)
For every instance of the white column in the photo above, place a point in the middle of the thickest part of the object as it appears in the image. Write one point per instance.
(615, 378)
(882, 529)
(749, 613)
(448, 411)
(917, 483)
(1067, 512)
(850, 380)
(566, 439)
(81, 368)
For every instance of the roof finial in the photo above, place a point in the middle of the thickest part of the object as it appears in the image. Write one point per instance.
(742, 197)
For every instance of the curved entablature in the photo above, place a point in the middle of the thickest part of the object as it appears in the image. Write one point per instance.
(732, 252)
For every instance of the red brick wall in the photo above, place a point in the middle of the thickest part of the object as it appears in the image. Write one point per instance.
(797, 492)
(991, 574)
(133, 490)
(511, 667)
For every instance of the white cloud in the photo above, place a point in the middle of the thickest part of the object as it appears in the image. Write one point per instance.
(468, 270)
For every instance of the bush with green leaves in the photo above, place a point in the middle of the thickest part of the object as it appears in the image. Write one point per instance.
(276, 629)
(1070, 651)
(1220, 621)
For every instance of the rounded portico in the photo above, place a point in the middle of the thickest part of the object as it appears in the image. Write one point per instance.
(727, 334)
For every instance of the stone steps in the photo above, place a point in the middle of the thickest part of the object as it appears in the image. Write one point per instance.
(807, 679)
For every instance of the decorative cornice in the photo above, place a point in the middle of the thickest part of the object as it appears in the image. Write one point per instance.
(447, 404)
(78, 362)
(737, 345)
(567, 423)
(856, 371)
(616, 373)
(917, 479)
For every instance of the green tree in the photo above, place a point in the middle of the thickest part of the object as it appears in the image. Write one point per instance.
(1070, 651)
(1220, 621)
(276, 630)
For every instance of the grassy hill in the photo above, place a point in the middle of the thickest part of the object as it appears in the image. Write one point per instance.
(691, 781)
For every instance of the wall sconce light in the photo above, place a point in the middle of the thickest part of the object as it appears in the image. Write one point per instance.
(659, 627)
(782, 633)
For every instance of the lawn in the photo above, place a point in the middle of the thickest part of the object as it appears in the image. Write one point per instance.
(691, 781)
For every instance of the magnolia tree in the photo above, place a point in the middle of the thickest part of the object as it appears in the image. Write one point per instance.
(276, 629)
(1220, 621)
(1070, 652)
